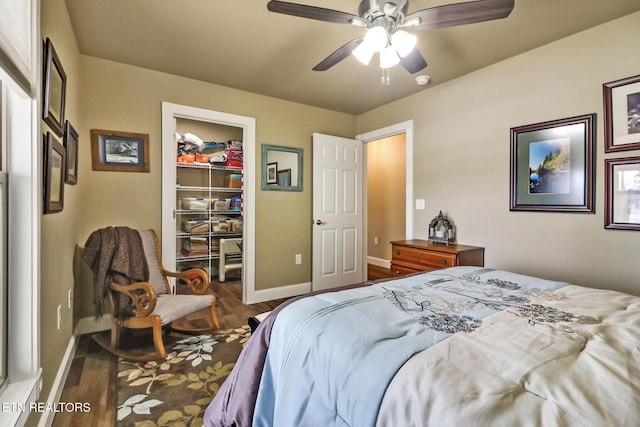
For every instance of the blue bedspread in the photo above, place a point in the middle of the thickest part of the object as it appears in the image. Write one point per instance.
(332, 355)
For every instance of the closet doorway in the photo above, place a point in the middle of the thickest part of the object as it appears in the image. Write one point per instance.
(207, 199)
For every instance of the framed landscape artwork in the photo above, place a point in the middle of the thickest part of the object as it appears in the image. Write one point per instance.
(552, 165)
(119, 151)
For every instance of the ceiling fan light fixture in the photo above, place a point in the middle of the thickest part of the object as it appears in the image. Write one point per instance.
(388, 57)
(376, 38)
(403, 42)
(363, 52)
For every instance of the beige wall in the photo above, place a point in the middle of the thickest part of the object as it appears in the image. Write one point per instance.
(386, 196)
(461, 156)
(125, 98)
(59, 231)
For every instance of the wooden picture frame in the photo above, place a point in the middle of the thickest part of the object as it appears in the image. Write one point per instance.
(119, 151)
(71, 147)
(54, 175)
(552, 165)
(55, 88)
(622, 193)
(622, 114)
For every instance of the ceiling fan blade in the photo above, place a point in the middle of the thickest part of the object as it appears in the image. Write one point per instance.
(414, 61)
(454, 14)
(338, 55)
(311, 12)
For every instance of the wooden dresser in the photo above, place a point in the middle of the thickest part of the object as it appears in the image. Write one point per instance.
(411, 256)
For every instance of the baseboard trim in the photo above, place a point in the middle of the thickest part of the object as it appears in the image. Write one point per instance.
(379, 262)
(270, 294)
(46, 420)
(89, 325)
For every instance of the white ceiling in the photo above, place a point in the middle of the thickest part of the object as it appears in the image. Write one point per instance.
(238, 43)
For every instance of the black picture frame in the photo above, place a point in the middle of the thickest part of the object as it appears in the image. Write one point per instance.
(71, 139)
(54, 174)
(272, 173)
(119, 151)
(552, 165)
(622, 114)
(55, 88)
(622, 193)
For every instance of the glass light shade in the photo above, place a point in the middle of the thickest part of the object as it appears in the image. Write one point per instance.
(377, 38)
(388, 57)
(363, 52)
(403, 42)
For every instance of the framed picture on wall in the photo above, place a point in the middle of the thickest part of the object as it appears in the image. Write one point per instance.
(71, 148)
(284, 177)
(552, 165)
(119, 151)
(622, 114)
(55, 86)
(54, 176)
(272, 173)
(622, 193)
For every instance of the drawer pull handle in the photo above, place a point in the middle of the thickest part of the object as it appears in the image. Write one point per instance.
(419, 255)
(397, 271)
(444, 261)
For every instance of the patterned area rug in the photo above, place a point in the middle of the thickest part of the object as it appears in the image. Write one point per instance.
(177, 390)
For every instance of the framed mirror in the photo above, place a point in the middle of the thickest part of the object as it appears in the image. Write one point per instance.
(281, 168)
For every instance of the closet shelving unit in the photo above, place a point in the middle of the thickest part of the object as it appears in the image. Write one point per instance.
(205, 181)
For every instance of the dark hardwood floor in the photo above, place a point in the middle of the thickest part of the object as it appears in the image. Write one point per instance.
(91, 377)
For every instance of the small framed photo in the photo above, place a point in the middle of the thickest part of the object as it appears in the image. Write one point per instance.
(55, 86)
(622, 114)
(55, 170)
(272, 173)
(71, 148)
(119, 151)
(622, 193)
(284, 177)
(552, 165)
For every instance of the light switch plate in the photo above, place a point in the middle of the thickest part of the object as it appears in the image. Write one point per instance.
(420, 204)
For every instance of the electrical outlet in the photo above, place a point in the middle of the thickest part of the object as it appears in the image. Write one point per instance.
(298, 259)
(59, 315)
(70, 298)
(376, 241)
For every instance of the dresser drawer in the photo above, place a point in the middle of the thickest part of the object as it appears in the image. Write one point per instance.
(399, 270)
(423, 258)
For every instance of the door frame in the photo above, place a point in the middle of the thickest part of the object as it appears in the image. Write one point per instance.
(405, 127)
(171, 112)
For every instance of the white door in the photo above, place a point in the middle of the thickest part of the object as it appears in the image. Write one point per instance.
(337, 211)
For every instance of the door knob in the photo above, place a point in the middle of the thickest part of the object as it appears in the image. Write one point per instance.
(318, 222)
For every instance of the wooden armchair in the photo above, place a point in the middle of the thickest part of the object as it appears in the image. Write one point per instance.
(156, 306)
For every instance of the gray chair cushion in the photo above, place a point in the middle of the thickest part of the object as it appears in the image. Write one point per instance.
(173, 307)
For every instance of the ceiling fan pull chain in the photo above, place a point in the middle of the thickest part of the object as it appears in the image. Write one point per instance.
(385, 80)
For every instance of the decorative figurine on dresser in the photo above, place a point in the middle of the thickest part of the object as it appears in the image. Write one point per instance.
(439, 251)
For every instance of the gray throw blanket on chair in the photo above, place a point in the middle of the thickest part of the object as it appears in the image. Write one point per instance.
(115, 254)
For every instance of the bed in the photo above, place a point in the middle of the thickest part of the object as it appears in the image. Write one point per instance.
(465, 346)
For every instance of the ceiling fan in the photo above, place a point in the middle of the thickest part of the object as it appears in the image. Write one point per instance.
(386, 20)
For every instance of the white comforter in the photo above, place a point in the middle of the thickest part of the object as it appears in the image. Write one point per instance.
(528, 370)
